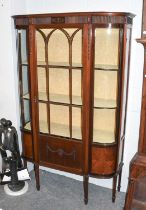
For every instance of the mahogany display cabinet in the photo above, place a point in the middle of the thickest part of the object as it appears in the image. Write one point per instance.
(73, 78)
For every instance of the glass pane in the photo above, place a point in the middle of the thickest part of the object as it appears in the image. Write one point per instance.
(105, 88)
(23, 47)
(40, 42)
(59, 120)
(43, 122)
(76, 87)
(76, 123)
(26, 107)
(77, 49)
(106, 48)
(59, 85)
(58, 48)
(25, 81)
(104, 126)
(41, 73)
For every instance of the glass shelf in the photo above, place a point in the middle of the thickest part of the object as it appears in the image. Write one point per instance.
(106, 67)
(57, 98)
(59, 64)
(57, 129)
(104, 103)
(103, 136)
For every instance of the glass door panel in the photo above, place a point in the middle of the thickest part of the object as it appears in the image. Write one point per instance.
(77, 48)
(106, 67)
(23, 46)
(77, 87)
(41, 59)
(59, 72)
(59, 120)
(59, 85)
(42, 90)
(43, 118)
(104, 126)
(58, 48)
(76, 123)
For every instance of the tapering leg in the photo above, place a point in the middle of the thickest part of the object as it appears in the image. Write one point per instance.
(114, 188)
(37, 177)
(119, 180)
(85, 184)
(25, 163)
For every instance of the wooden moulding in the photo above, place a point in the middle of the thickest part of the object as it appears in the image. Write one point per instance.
(72, 18)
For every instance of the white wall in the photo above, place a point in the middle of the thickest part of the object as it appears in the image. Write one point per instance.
(8, 75)
(8, 90)
(135, 83)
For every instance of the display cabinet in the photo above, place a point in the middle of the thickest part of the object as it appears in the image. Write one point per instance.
(73, 73)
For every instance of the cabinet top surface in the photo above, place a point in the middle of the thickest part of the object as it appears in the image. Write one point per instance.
(76, 14)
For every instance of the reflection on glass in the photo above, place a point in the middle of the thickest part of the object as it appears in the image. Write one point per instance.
(59, 85)
(25, 81)
(26, 106)
(23, 47)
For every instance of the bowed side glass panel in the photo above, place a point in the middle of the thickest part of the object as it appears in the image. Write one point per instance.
(106, 67)
(24, 86)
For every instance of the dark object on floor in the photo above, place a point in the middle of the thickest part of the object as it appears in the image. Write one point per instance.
(12, 163)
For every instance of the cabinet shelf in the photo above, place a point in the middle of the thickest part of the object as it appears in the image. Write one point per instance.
(103, 136)
(57, 129)
(106, 67)
(59, 65)
(76, 100)
(104, 103)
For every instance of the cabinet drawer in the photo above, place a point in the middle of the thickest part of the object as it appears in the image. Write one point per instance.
(60, 152)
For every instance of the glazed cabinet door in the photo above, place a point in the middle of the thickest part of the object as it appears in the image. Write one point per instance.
(24, 91)
(106, 98)
(59, 71)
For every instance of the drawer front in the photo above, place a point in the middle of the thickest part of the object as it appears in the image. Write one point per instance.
(60, 152)
(103, 160)
(27, 145)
